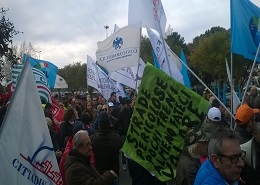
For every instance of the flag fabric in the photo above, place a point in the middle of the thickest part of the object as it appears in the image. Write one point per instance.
(57, 114)
(184, 71)
(245, 28)
(26, 151)
(163, 113)
(40, 79)
(127, 76)
(171, 69)
(155, 61)
(48, 68)
(121, 49)
(121, 92)
(60, 83)
(139, 70)
(92, 74)
(150, 12)
(106, 85)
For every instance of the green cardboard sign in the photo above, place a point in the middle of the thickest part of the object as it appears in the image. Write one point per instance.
(164, 110)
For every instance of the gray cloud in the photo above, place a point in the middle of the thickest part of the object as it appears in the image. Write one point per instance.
(66, 31)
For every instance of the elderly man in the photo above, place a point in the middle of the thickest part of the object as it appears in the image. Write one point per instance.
(225, 160)
(78, 168)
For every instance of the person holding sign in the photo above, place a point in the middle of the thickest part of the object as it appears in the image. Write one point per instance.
(196, 147)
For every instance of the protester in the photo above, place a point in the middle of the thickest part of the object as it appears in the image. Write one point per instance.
(213, 120)
(114, 121)
(194, 153)
(141, 176)
(55, 139)
(225, 161)
(77, 126)
(252, 96)
(100, 100)
(251, 171)
(78, 168)
(124, 117)
(116, 109)
(85, 118)
(94, 102)
(245, 120)
(106, 145)
(66, 129)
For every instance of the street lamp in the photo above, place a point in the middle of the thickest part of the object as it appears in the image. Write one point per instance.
(106, 27)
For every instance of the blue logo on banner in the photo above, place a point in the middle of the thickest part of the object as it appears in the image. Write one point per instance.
(117, 43)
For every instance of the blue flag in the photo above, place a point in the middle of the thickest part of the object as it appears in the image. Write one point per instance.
(184, 71)
(48, 68)
(245, 34)
(155, 61)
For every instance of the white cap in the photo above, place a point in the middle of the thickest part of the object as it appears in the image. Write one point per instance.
(214, 114)
(110, 104)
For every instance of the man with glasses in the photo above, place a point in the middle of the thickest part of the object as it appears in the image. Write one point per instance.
(78, 168)
(225, 161)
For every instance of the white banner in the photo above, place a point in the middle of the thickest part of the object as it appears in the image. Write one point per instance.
(92, 74)
(120, 50)
(106, 84)
(157, 44)
(60, 83)
(26, 150)
(127, 76)
(150, 12)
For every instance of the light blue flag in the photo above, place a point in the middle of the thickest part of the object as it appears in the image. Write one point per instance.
(245, 28)
(184, 71)
(155, 61)
(48, 68)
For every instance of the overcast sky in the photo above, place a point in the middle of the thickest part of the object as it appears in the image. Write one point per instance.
(66, 31)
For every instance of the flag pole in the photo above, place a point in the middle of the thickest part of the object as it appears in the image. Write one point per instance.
(138, 62)
(136, 76)
(250, 75)
(166, 54)
(231, 93)
(204, 84)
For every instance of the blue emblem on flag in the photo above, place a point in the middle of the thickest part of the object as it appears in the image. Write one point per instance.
(117, 43)
(254, 29)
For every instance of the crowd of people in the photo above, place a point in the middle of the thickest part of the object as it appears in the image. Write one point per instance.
(87, 143)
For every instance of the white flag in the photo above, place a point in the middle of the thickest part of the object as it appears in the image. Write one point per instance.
(60, 83)
(106, 84)
(139, 73)
(120, 91)
(236, 100)
(127, 76)
(121, 49)
(157, 44)
(26, 150)
(150, 12)
(92, 74)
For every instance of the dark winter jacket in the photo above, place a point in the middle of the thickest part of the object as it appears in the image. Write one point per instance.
(105, 146)
(79, 171)
(187, 169)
